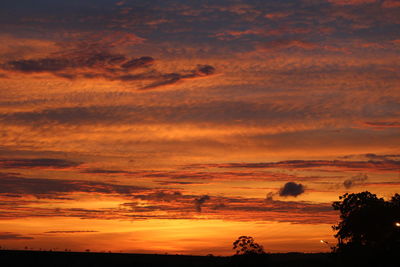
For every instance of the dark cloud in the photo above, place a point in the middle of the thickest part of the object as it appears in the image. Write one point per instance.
(383, 124)
(383, 157)
(351, 2)
(70, 232)
(198, 202)
(38, 65)
(242, 209)
(52, 188)
(37, 163)
(270, 196)
(374, 157)
(204, 70)
(285, 44)
(180, 177)
(172, 78)
(291, 189)
(104, 171)
(162, 196)
(138, 63)
(280, 206)
(383, 165)
(355, 180)
(13, 236)
(178, 182)
(214, 112)
(98, 62)
(155, 204)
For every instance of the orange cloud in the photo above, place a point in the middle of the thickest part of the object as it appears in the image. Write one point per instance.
(285, 44)
(40, 163)
(351, 2)
(278, 15)
(382, 165)
(382, 124)
(391, 4)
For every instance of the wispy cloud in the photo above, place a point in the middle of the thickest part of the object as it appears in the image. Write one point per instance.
(37, 163)
(96, 60)
(58, 188)
(70, 231)
(13, 236)
(355, 180)
(382, 165)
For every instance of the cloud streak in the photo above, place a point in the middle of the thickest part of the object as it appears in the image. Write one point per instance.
(99, 62)
(199, 202)
(13, 236)
(57, 188)
(70, 231)
(382, 165)
(37, 163)
(355, 180)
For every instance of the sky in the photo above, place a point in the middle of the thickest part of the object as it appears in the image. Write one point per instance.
(171, 126)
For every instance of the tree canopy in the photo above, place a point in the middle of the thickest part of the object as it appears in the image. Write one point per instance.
(245, 245)
(368, 223)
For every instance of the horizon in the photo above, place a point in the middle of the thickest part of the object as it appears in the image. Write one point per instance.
(176, 127)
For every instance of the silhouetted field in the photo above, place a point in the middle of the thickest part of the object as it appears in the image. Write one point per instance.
(88, 259)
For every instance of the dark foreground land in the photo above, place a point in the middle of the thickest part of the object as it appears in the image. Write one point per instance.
(11, 258)
(17, 258)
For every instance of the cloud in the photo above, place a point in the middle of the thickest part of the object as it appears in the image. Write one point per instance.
(382, 157)
(138, 63)
(285, 44)
(382, 124)
(198, 202)
(92, 57)
(270, 196)
(169, 204)
(351, 2)
(70, 232)
(231, 35)
(178, 182)
(100, 61)
(37, 163)
(183, 177)
(56, 188)
(13, 236)
(163, 196)
(381, 165)
(355, 180)
(391, 4)
(104, 171)
(291, 189)
(278, 15)
(105, 65)
(172, 78)
(237, 209)
(38, 65)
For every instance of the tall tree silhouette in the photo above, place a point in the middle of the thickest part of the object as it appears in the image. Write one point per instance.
(369, 225)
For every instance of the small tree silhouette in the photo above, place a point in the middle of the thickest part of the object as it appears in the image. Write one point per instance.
(245, 245)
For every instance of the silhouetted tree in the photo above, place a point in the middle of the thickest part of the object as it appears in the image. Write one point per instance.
(248, 253)
(368, 226)
(245, 245)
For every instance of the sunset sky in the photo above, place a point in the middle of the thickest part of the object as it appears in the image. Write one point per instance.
(172, 126)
